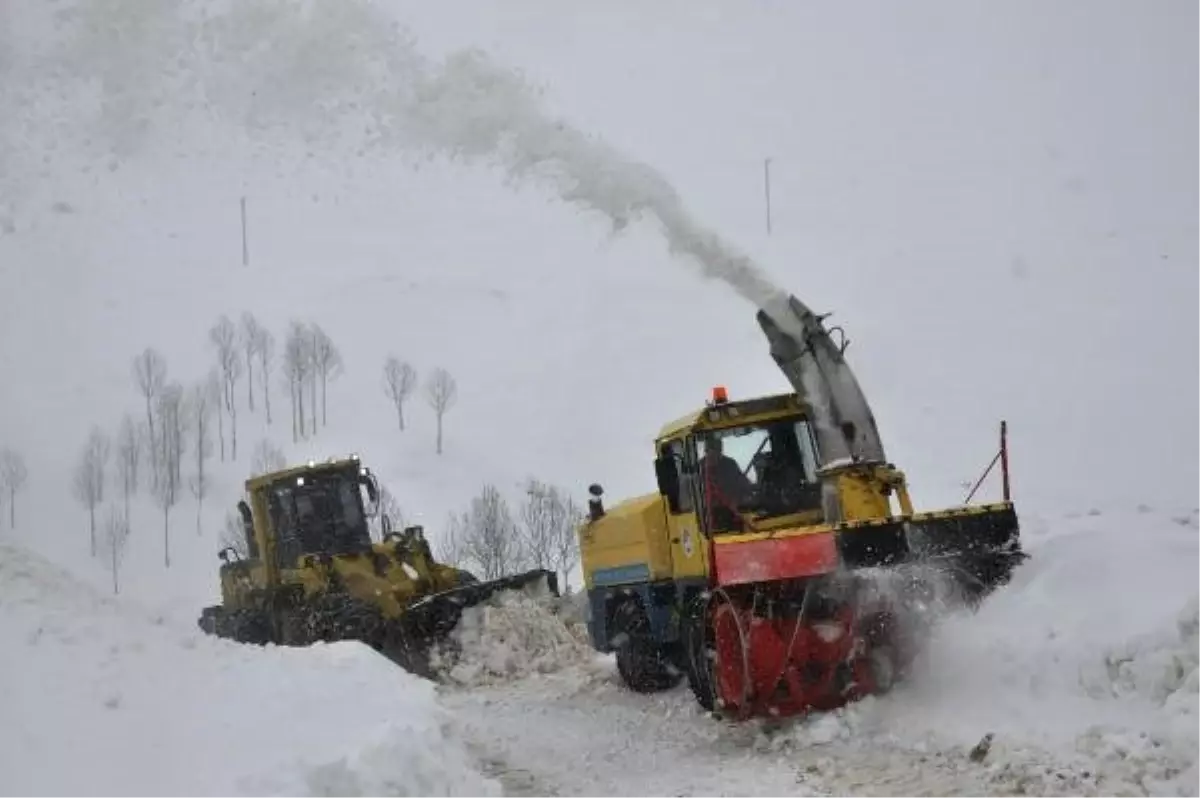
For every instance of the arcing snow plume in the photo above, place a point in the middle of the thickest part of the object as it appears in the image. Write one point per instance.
(344, 74)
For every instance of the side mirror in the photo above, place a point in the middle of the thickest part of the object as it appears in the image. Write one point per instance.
(668, 480)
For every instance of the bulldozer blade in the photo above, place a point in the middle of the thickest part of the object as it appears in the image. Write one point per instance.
(435, 615)
(428, 622)
(979, 546)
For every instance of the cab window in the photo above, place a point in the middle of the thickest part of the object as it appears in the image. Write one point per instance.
(678, 453)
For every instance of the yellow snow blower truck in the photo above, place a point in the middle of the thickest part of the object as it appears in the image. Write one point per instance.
(309, 570)
(780, 566)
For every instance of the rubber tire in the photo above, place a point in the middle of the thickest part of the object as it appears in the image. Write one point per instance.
(644, 666)
(697, 661)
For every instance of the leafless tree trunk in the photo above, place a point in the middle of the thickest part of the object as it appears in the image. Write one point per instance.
(449, 546)
(150, 373)
(88, 483)
(391, 508)
(202, 401)
(265, 346)
(539, 514)
(327, 364)
(297, 364)
(171, 426)
(267, 458)
(565, 550)
(251, 336)
(224, 338)
(12, 479)
(489, 536)
(441, 392)
(116, 533)
(128, 452)
(399, 381)
(312, 377)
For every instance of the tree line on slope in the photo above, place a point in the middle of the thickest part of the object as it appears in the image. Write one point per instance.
(487, 538)
(182, 425)
(179, 420)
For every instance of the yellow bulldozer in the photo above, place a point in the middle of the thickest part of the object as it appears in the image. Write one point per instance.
(308, 569)
(780, 565)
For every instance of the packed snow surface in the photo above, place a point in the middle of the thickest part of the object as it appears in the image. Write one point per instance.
(1083, 670)
(111, 700)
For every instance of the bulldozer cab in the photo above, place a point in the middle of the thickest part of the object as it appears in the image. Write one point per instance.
(317, 513)
(313, 510)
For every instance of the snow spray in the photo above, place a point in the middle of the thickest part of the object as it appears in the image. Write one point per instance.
(346, 74)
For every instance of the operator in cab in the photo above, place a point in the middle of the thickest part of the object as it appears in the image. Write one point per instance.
(723, 476)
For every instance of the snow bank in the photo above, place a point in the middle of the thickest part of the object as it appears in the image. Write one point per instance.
(513, 635)
(1084, 667)
(139, 706)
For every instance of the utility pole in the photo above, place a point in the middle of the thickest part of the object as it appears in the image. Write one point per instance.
(245, 241)
(767, 190)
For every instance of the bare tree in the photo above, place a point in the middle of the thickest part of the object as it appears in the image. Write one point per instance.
(12, 479)
(399, 381)
(150, 373)
(539, 518)
(251, 337)
(88, 483)
(233, 535)
(565, 549)
(327, 365)
(204, 399)
(297, 368)
(449, 547)
(267, 457)
(265, 347)
(441, 392)
(223, 336)
(391, 508)
(116, 533)
(488, 535)
(171, 428)
(213, 387)
(129, 448)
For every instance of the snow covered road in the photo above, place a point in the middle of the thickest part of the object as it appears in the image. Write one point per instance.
(1084, 669)
(580, 733)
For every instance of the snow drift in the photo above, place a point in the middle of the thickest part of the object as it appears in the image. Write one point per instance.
(1084, 668)
(514, 635)
(142, 707)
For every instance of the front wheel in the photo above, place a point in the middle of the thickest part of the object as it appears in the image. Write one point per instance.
(643, 664)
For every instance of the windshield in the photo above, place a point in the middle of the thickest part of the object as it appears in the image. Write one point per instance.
(319, 513)
(765, 469)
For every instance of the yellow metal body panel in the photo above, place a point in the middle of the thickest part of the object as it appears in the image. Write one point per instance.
(689, 547)
(630, 535)
(733, 414)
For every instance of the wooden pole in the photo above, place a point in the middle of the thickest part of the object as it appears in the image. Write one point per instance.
(245, 240)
